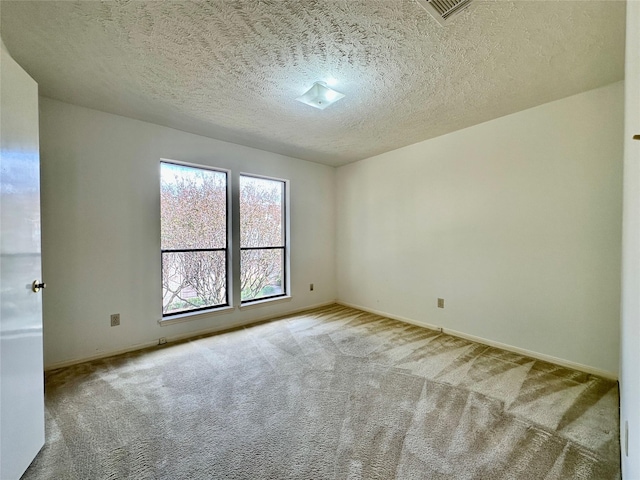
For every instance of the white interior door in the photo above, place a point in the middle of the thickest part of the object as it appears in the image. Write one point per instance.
(21, 363)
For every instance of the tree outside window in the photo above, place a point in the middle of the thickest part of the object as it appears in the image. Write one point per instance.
(262, 238)
(193, 238)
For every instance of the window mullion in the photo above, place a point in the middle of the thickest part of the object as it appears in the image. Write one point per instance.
(234, 240)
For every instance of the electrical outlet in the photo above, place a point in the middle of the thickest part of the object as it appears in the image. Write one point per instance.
(115, 319)
(311, 287)
(162, 340)
(441, 303)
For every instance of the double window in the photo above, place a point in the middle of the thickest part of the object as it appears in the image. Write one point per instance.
(196, 238)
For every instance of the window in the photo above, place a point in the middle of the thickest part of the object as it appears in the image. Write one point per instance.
(262, 238)
(194, 241)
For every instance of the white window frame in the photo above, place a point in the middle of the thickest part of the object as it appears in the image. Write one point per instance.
(286, 296)
(168, 318)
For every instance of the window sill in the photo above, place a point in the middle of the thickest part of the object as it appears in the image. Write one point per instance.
(185, 317)
(261, 303)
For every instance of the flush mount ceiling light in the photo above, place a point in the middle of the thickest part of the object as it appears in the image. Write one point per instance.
(320, 96)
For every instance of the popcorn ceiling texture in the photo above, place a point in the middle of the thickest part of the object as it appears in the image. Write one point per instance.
(232, 69)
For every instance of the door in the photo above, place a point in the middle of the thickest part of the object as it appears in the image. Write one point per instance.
(630, 322)
(21, 363)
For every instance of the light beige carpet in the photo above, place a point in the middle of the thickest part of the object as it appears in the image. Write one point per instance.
(329, 393)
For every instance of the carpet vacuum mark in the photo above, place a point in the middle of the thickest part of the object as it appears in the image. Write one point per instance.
(331, 393)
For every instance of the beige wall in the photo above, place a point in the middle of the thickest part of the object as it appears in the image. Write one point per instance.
(516, 223)
(630, 326)
(101, 229)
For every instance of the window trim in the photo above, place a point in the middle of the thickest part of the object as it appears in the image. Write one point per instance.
(222, 307)
(193, 315)
(286, 294)
(265, 301)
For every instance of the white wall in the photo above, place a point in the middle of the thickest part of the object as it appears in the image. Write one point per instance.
(516, 223)
(101, 229)
(630, 339)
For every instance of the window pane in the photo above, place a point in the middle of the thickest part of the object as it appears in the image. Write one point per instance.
(193, 280)
(261, 212)
(261, 273)
(193, 207)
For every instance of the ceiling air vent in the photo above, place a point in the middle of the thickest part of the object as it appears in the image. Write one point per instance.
(444, 10)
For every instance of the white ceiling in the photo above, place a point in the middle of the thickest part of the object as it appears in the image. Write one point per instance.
(232, 69)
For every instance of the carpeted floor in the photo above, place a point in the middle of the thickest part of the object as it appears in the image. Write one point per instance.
(329, 393)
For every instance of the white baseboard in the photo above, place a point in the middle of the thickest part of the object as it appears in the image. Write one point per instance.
(473, 338)
(105, 354)
(539, 356)
(184, 336)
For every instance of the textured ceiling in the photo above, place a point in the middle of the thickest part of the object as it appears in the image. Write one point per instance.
(232, 69)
